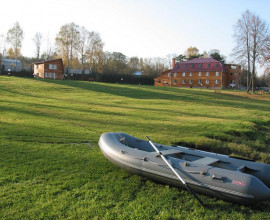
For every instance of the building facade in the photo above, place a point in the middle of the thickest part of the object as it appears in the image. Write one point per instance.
(201, 73)
(9, 65)
(50, 69)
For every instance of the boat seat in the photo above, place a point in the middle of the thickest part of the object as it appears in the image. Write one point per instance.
(206, 161)
(167, 152)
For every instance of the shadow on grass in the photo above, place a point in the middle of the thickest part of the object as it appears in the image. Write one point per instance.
(206, 97)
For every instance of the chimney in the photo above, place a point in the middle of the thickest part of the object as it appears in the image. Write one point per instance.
(173, 62)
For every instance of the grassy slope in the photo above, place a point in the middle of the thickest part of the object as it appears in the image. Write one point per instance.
(51, 166)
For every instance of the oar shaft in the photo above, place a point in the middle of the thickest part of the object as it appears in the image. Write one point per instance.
(166, 161)
(174, 171)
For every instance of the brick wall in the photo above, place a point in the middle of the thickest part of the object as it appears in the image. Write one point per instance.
(43, 70)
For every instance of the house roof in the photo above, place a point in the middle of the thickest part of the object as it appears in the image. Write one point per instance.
(47, 61)
(198, 64)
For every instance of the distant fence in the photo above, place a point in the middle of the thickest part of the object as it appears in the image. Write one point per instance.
(22, 73)
(128, 79)
(78, 71)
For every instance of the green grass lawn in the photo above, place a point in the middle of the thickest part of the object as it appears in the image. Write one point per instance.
(51, 166)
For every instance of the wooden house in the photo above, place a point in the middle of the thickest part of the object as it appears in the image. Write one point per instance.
(50, 69)
(201, 73)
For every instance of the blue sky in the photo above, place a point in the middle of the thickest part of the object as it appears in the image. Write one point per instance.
(143, 28)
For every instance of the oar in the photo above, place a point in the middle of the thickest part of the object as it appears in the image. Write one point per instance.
(178, 176)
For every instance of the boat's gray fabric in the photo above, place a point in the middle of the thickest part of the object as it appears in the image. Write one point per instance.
(206, 160)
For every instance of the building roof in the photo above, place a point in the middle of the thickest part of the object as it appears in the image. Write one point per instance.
(9, 62)
(198, 64)
(46, 61)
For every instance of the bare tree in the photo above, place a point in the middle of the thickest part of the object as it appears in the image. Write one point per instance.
(49, 52)
(94, 51)
(251, 38)
(169, 59)
(82, 45)
(14, 38)
(38, 40)
(66, 41)
(3, 49)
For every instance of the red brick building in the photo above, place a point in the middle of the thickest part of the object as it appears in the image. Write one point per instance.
(201, 73)
(50, 69)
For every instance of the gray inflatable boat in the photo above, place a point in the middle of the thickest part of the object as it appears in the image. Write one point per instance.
(232, 179)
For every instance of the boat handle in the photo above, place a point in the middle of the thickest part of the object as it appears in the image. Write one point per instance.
(219, 178)
(137, 158)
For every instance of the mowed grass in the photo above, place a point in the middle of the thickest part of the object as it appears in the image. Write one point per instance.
(51, 166)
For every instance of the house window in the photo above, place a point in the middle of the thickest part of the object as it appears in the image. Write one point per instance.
(159, 81)
(175, 81)
(200, 74)
(216, 64)
(175, 74)
(217, 73)
(46, 75)
(190, 74)
(233, 67)
(207, 81)
(190, 81)
(183, 74)
(192, 65)
(208, 65)
(183, 81)
(207, 74)
(200, 65)
(217, 81)
(52, 66)
(200, 82)
(169, 74)
(185, 66)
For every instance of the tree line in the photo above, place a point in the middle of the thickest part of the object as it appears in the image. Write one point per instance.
(83, 49)
(80, 49)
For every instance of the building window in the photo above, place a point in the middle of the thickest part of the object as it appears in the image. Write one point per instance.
(192, 65)
(208, 65)
(216, 64)
(175, 81)
(190, 81)
(169, 74)
(217, 81)
(183, 81)
(190, 74)
(52, 66)
(159, 81)
(200, 74)
(185, 66)
(217, 73)
(207, 81)
(46, 75)
(200, 65)
(183, 74)
(233, 67)
(207, 74)
(175, 74)
(200, 82)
